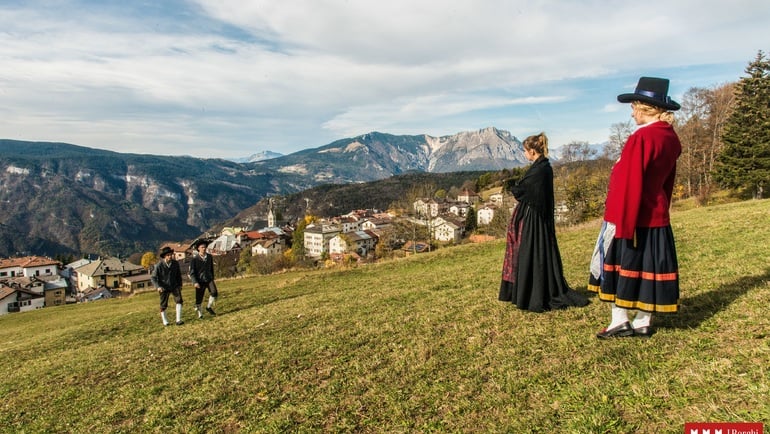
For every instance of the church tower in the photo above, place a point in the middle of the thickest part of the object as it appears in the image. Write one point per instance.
(270, 214)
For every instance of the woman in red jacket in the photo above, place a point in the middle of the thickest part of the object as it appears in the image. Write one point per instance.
(635, 265)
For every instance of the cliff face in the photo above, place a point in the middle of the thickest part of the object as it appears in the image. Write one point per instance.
(487, 149)
(59, 198)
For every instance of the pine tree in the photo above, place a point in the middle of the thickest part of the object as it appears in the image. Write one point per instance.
(744, 163)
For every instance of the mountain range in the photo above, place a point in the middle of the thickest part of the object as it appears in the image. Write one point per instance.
(61, 198)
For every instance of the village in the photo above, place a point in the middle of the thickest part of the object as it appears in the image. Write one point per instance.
(34, 282)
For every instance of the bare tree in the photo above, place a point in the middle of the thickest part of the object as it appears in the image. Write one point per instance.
(699, 125)
(577, 151)
(619, 133)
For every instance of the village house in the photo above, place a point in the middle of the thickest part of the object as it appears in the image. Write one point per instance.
(317, 238)
(485, 215)
(376, 223)
(29, 283)
(496, 199)
(447, 229)
(29, 266)
(231, 230)
(468, 196)
(55, 290)
(459, 209)
(347, 223)
(224, 244)
(104, 272)
(426, 207)
(268, 246)
(19, 300)
(360, 242)
(267, 241)
(561, 213)
(181, 251)
(136, 283)
(246, 239)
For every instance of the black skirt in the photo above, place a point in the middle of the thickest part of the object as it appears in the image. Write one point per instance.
(642, 274)
(533, 276)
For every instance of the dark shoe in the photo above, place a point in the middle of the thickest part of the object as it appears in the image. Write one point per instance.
(622, 330)
(644, 332)
(211, 311)
(179, 322)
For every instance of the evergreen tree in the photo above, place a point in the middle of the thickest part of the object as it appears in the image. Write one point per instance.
(471, 220)
(744, 163)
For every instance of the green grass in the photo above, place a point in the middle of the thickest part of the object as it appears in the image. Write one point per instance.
(419, 344)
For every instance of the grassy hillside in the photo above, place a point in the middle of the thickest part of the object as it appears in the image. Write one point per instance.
(415, 345)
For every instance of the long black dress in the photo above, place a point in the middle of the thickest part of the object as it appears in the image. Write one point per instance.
(533, 276)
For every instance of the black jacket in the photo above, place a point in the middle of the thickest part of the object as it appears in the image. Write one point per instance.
(535, 190)
(201, 271)
(168, 277)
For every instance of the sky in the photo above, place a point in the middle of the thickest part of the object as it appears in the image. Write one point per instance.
(230, 78)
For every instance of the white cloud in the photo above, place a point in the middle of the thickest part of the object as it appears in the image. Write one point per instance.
(289, 75)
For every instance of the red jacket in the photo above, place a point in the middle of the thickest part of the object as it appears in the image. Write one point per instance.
(642, 180)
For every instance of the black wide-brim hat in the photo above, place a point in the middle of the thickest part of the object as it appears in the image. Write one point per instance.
(165, 251)
(198, 242)
(651, 90)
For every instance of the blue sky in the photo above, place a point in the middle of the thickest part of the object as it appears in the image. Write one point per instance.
(228, 78)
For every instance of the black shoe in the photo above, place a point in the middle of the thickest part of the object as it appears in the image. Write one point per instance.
(211, 311)
(622, 330)
(179, 322)
(644, 332)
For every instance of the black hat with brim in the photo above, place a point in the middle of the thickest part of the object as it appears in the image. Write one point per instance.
(165, 251)
(198, 242)
(651, 90)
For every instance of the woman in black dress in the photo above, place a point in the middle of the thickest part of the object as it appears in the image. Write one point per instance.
(533, 277)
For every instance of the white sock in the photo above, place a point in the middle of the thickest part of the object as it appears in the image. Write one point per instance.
(619, 316)
(211, 301)
(198, 309)
(178, 312)
(642, 319)
(163, 317)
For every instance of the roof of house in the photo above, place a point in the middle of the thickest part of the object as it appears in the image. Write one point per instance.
(268, 243)
(107, 267)
(23, 281)
(137, 277)
(251, 235)
(78, 263)
(6, 291)
(27, 262)
(418, 246)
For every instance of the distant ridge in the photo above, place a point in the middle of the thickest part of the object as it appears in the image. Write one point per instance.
(64, 198)
(259, 156)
